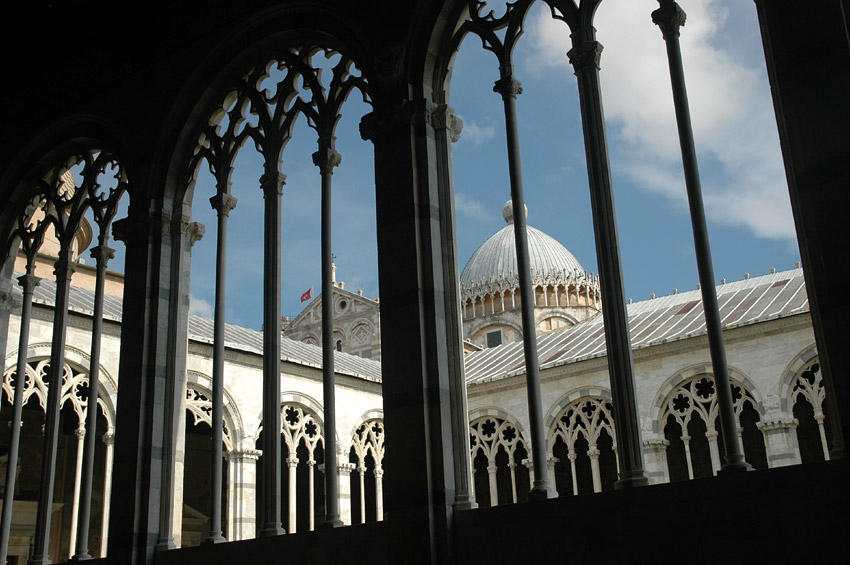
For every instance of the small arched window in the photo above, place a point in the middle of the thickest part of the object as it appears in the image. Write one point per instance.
(339, 345)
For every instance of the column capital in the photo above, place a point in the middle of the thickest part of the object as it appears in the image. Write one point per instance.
(344, 467)
(130, 230)
(378, 124)
(326, 158)
(711, 435)
(64, 267)
(379, 472)
(443, 118)
(109, 438)
(249, 454)
(585, 56)
(656, 443)
(80, 432)
(492, 468)
(223, 203)
(551, 459)
(508, 86)
(669, 17)
(292, 462)
(272, 183)
(27, 283)
(593, 452)
(102, 253)
(783, 422)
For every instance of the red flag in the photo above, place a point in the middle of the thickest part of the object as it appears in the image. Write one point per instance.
(307, 295)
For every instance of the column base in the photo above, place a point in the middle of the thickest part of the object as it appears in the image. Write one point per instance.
(632, 479)
(165, 544)
(271, 531)
(40, 560)
(331, 522)
(541, 491)
(464, 503)
(733, 468)
(214, 539)
(82, 556)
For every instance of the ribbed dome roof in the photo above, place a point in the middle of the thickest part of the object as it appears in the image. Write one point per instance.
(495, 260)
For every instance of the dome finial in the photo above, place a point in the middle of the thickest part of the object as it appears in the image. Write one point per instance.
(508, 212)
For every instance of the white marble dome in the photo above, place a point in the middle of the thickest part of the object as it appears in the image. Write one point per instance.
(495, 260)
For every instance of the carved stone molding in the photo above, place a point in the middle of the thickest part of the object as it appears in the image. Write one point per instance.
(444, 118)
(508, 86)
(585, 56)
(223, 203)
(102, 253)
(272, 183)
(669, 17)
(326, 159)
(194, 231)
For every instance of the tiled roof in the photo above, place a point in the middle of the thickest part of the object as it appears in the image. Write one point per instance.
(235, 337)
(651, 322)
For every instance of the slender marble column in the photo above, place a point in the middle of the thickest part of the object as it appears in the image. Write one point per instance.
(494, 486)
(593, 454)
(28, 283)
(102, 254)
(311, 492)
(326, 158)
(820, 418)
(714, 450)
(686, 440)
(109, 442)
(584, 56)
(272, 185)
(361, 472)
(292, 468)
(222, 203)
(551, 461)
(512, 467)
(80, 432)
(572, 457)
(344, 471)
(63, 270)
(509, 87)
(379, 493)
(670, 17)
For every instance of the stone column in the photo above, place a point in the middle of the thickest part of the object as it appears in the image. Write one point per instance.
(272, 184)
(361, 471)
(292, 467)
(494, 486)
(28, 283)
(80, 432)
(593, 454)
(509, 88)
(311, 492)
(584, 56)
(551, 461)
(512, 467)
(819, 418)
(183, 235)
(714, 449)
(670, 17)
(571, 455)
(243, 481)
(222, 203)
(326, 158)
(102, 254)
(63, 270)
(686, 440)
(109, 442)
(379, 493)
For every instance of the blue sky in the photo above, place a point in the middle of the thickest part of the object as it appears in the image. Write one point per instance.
(743, 180)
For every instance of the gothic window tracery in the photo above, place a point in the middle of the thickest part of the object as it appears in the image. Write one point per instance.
(366, 456)
(498, 453)
(808, 401)
(584, 447)
(692, 426)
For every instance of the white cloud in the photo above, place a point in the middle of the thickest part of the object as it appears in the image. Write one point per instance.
(731, 110)
(478, 134)
(200, 307)
(470, 207)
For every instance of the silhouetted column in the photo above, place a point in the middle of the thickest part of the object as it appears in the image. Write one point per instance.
(670, 18)
(80, 432)
(509, 88)
(222, 203)
(28, 283)
(109, 442)
(584, 56)
(63, 270)
(326, 158)
(272, 185)
(102, 254)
